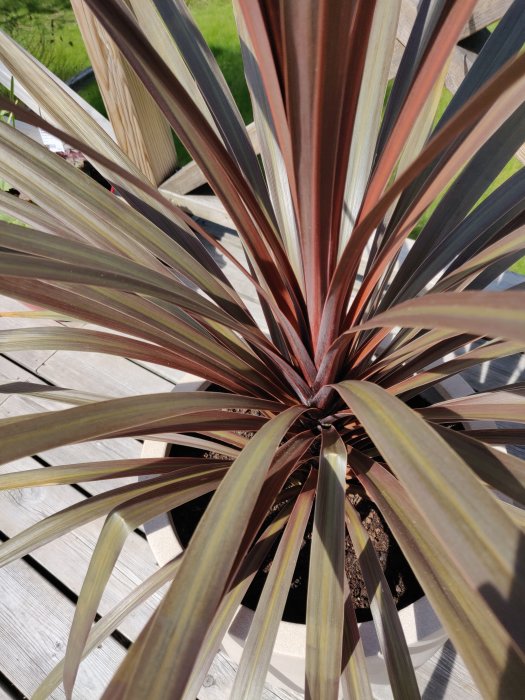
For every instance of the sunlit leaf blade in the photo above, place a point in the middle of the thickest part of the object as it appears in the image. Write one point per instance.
(156, 31)
(454, 18)
(75, 516)
(55, 249)
(368, 114)
(505, 40)
(500, 405)
(487, 352)
(504, 92)
(449, 498)
(462, 311)
(323, 196)
(384, 614)
(109, 623)
(232, 599)
(61, 105)
(476, 632)
(274, 165)
(470, 236)
(182, 619)
(118, 525)
(500, 469)
(72, 197)
(35, 217)
(82, 340)
(227, 181)
(95, 471)
(325, 601)
(138, 192)
(354, 675)
(203, 65)
(514, 243)
(51, 393)
(253, 667)
(461, 197)
(30, 435)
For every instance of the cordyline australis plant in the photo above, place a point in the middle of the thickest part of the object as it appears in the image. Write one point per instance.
(352, 335)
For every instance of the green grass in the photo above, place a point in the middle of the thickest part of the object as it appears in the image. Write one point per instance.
(217, 24)
(47, 28)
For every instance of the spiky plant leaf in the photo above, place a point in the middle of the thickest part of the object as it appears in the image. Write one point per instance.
(344, 338)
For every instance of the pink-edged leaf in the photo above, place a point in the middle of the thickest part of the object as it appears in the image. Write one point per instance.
(490, 654)
(485, 353)
(354, 674)
(325, 600)
(465, 517)
(258, 233)
(497, 405)
(118, 525)
(492, 314)
(79, 514)
(32, 434)
(110, 622)
(189, 606)
(497, 468)
(232, 599)
(487, 110)
(255, 660)
(96, 471)
(384, 614)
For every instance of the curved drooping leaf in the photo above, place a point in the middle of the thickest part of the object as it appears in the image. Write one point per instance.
(31, 434)
(253, 667)
(384, 614)
(498, 468)
(449, 498)
(492, 658)
(95, 471)
(195, 596)
(109, 623)
(118, 525)
(462, 311)
(500, 405)
(487, 352)
(75, 516)
(325, 601)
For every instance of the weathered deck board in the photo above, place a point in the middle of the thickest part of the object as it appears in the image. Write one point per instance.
(35, 619)
(443, 677)
(101, 374)
(31, 359)
(68, 557)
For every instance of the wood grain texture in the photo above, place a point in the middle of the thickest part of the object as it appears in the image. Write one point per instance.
(30, 359)
(205, 206)
(35, 620)
(486, 12)
(190, 176)
(140, 128)
(68, 557)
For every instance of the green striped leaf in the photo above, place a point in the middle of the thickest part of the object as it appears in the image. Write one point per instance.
(325, 601)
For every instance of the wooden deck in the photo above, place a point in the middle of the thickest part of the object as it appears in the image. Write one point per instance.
(39, 593)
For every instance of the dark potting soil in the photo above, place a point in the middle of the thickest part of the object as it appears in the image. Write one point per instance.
(402, 582)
